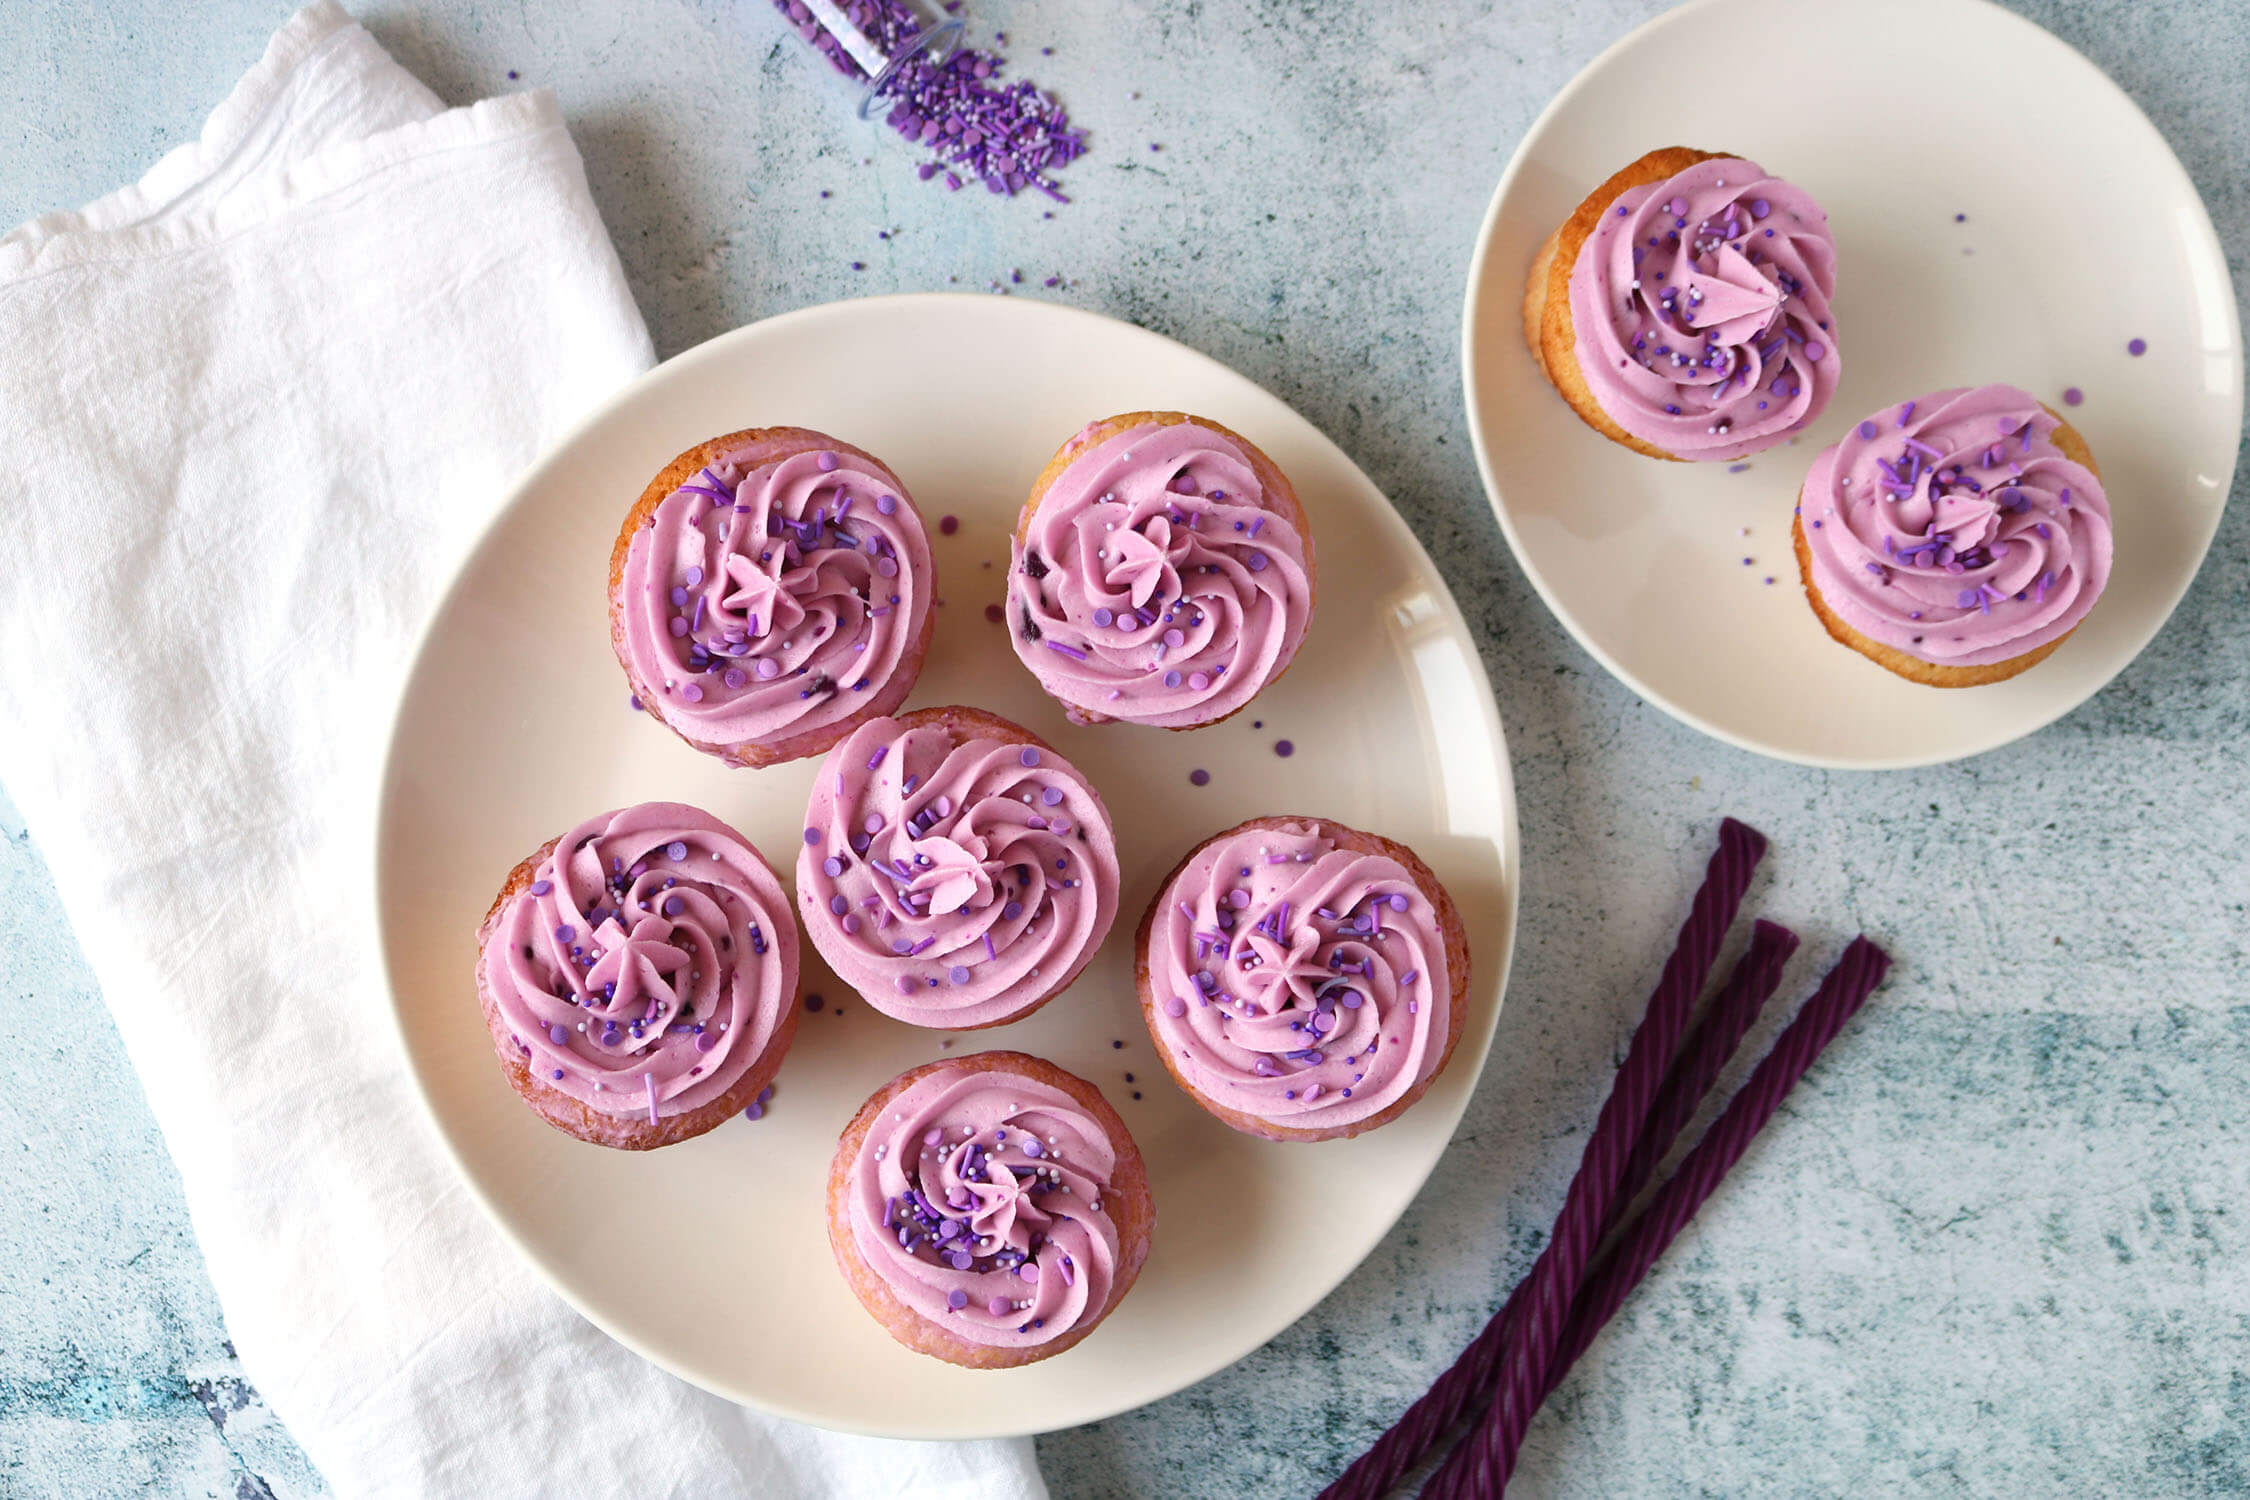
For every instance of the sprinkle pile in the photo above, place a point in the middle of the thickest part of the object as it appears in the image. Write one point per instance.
(1007, 135)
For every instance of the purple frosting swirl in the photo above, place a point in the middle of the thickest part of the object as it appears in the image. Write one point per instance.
(1298, 981)
(1700, 307)
(1156, 581)
(1953, 529)
(977, 1198)
(770, 600)
(954, 882)
(648, 964)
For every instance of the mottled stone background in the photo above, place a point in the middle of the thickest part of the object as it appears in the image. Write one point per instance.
(1996, 1243)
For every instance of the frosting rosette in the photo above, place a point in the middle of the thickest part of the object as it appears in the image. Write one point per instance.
(980, 1197)
(1699, 307)
(955, 871)
(1953, 528)
(772, 595)
(648, 965)
(1163, 576)
(1297, 977)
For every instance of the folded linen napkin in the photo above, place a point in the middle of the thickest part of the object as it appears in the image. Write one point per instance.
(257, 406)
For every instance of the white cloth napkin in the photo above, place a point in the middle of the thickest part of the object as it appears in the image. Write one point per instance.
(256, 407)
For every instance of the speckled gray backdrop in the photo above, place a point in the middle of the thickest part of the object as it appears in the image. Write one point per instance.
(1994, 1246)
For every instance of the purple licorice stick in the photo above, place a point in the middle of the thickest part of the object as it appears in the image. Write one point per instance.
(1837, 1000)
(1592, 1192)
(1757, 974)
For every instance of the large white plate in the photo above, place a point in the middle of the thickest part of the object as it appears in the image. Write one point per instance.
(2083, 233)
(514, 726)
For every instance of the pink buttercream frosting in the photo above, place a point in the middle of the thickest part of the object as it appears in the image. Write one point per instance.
(954, 882)
(1297, 981)
(1157, 582)
(1700, 306)
(977, 1198)
(770, 598)
(1952, 528)
(649, 963)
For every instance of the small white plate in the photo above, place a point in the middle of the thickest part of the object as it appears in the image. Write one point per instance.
(514, 726)
(2083, 233)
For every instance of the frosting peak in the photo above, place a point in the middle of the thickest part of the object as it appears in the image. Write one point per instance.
(1296, 980)
(1156, 580)
(952, 877)
(1952, 528)
(977, 1197)
(648, 964)
(768, 599)
(1700, 307)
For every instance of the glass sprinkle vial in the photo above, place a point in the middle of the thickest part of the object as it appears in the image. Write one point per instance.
(1008, 135)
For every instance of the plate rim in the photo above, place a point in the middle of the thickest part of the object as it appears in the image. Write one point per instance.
(392, 770)
(2203, 229)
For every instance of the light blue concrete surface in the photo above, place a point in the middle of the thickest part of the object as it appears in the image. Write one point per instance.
(1995, 1246)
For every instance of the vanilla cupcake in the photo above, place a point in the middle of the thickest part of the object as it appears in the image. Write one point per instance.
(1161, 573)
(1955, 539)
(989, 1210)
(770, 591)
(638, 976)
(956, 871)
(1683, 309)
(1303, 980)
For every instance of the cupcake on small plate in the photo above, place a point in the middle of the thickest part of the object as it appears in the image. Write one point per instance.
(1955, 539)
(989, 1210)
(1683, 309)
(1303, 980)
(1162, 572)
(956, 871)
(638, 976)
(770, 591)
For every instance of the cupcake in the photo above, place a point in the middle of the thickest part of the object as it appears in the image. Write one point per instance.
(1303, 980)
(989, 1210)
(639, 976)
(1162, 573)
(769, 592)
(956, 871)
(1955, 539)
(1683, 309)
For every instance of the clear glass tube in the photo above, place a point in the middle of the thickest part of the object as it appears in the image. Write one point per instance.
(934, 40)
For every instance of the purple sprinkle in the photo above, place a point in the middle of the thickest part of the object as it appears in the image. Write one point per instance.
(2073, 396)
(541, 887)
(813, 1001)
(1199, 777)
(947, 525)
(1284, 748)
(957, 974)
(2137, 348)
(1028, 756)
